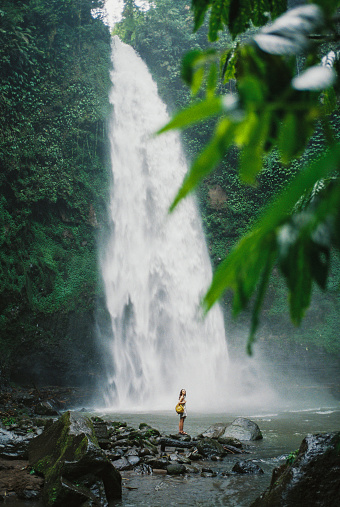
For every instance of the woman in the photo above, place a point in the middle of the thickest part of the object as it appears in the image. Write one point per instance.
(183, 415)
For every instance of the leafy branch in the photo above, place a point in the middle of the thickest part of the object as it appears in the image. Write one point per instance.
(273, 109)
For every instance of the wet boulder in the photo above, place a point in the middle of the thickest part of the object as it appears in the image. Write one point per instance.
(207, 472)
(233, 442)
(123, 464)
(176, 469)
(209, 447)
(148, 447)
(46, 408)
(148, 431)
(173, 442)
(157, 463)
(243, 429)
(133, 459)
(312, 479)
(194, 455)
(67, 453)
(13, 445)
(102, 433)
(247, 467)
(214, 431)
(179, 458)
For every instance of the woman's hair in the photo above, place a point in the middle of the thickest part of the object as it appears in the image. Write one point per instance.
(180, 393)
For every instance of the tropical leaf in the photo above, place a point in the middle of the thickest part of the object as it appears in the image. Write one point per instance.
(244, 266)
(208, 108)
(212, 80)
(199, 8)
(261, 292)
(316, 78)
(236, 15)
(195, 65)
(189, 61)
(299, 281)
(279, 45)
(240, 16)
(208, 159)
(288, 34)
(229, 65)
(219, 15)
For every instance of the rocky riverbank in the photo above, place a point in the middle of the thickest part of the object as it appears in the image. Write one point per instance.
(67, 458)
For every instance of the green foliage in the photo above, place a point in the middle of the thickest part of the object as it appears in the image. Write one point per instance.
(291, 457)
(236, 15)
(54, 59)
(273, 110)
(8, 421)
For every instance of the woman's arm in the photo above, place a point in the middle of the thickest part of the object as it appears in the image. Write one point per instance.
(182, 400)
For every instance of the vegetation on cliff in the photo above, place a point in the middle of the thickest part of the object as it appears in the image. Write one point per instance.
(54, 63)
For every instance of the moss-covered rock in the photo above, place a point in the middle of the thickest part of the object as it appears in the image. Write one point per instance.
(68, 455)
(311, 479)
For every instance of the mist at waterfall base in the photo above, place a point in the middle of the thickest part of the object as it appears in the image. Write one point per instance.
(156, 268)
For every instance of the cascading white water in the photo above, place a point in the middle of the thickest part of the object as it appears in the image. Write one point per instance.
(156, 266)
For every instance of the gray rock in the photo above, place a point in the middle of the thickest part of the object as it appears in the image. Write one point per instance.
(247, 467)
(29, 494)
(210, 447)
(208, 474)
(45, 408)
(14, 445)
(151, 447)
(192, 469)
(144, 452)
(178, 458)
(123, 464)
(243, 429)
(176, 469)
(215, 431)
(194, 455)
(132, 452)
(124, 442)
(158, 463)
(133, 460)
(234, 442)
(170, 442)
(312, 479)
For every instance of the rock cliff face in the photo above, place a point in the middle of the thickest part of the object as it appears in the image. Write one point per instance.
(54, 112)
(312, 479)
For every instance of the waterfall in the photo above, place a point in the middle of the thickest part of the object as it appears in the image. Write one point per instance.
(155, 266)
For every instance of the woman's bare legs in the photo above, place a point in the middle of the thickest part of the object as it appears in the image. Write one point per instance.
(181, 423)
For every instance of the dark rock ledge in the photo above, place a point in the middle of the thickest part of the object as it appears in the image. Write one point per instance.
(312, 478)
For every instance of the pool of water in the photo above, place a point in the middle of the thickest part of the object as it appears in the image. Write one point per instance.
(282, 434)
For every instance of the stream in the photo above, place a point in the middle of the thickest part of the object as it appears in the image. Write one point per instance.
(282, 434)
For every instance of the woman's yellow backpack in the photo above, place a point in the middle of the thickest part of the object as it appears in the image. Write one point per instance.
(179, 408)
